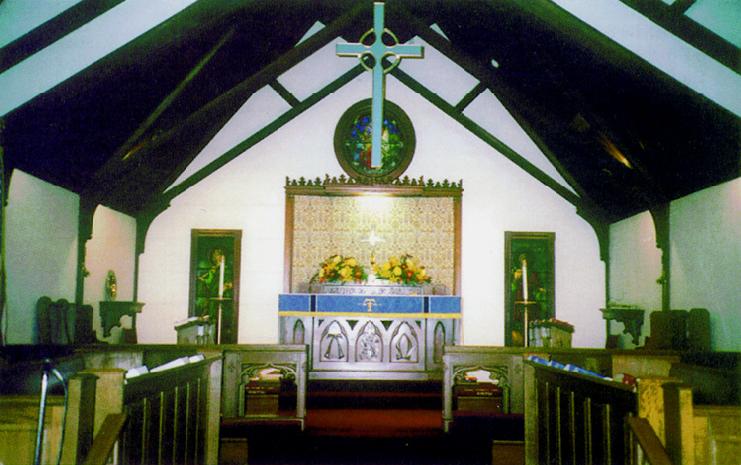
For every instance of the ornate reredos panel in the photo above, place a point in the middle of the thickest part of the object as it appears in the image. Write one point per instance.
(338, 215)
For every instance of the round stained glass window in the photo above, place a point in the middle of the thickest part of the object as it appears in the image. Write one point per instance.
(352, 142)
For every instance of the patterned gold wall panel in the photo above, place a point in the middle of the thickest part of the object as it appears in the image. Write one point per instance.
(421, 226)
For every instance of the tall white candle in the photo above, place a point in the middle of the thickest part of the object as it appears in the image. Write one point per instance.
(524, 279)
(221, 277)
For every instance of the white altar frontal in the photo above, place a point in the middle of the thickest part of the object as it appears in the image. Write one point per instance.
(371, 332)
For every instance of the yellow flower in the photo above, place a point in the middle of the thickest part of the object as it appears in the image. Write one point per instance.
(351, 262)
(336, 259)
(345, 272)
(397, 271)
(394, 261)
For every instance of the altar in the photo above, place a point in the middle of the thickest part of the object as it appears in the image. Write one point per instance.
(367, 335)
(371, 259)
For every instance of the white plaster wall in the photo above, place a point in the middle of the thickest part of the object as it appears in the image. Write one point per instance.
(248, 194)
(41, 251)
(112, 247)
(635, 265)
(706, 259)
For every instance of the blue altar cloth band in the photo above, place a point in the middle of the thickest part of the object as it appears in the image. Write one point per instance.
(368, 304)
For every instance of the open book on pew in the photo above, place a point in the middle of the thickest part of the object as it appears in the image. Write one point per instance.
(178, 362)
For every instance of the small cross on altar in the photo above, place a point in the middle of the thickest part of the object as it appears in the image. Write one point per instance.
(375, 53)
(372, 240)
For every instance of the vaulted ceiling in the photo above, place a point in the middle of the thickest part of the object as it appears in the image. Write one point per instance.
(626, 136)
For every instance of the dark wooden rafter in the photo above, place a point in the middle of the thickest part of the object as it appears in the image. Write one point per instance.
(284, 93)
(487, 137)
(221, 108)
(470, 96)
(125, 151)
(112, 168)
(271, 128)
(52, 30)
(679, 7)
(652, 188)
(597, 43)
(510, 97)
(673, 19)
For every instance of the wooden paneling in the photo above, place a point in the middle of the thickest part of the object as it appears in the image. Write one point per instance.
(18, 424)
(717, 435)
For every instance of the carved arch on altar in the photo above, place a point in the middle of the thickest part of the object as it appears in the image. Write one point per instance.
(340, 215)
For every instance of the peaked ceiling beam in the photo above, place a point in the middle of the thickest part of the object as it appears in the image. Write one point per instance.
(673, 19)
(269, 129)
(510, 97)
(111, 168)
(125, 151)
(487, 137)
(614, 144)
(284, 93)
(220, 109)
(470, 96)
(52, 30)
(159, 204)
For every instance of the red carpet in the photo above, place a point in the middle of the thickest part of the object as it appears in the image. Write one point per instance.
(376, 423)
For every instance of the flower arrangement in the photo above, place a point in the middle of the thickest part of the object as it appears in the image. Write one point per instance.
(402, 270)
(339, 269)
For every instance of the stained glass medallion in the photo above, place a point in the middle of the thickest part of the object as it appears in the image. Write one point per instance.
(352, 142)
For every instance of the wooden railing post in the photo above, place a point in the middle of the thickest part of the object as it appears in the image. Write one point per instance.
(213, 406)
(531, 416)
(651, 403)
(80, 417)
(678, 423)
(109, 394)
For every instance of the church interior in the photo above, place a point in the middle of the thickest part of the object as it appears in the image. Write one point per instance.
(496, 232)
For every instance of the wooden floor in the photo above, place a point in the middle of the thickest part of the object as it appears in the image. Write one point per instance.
(366, 424)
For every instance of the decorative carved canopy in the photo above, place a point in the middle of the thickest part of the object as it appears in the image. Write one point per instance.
(343, 185)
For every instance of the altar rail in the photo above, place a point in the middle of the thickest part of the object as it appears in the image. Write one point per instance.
(173, 415)
(505, 365)
(243, 362)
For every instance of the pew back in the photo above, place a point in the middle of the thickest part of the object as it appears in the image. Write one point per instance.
(173, 415)
(575, 418)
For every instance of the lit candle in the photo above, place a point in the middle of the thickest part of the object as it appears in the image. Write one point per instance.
(524, 279)
(221, 277)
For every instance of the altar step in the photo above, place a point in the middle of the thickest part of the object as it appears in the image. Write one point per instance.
(365, 394)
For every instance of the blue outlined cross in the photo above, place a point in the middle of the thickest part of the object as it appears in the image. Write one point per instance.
(377, 51)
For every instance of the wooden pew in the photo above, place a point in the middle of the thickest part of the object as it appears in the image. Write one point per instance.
(186, 398)
(575, 418)
(680, 431)
(173, 415)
